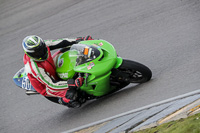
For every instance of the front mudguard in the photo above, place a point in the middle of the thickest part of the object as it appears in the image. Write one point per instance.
(118, 62)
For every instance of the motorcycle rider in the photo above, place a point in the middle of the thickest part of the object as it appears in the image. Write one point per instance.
(41, 70)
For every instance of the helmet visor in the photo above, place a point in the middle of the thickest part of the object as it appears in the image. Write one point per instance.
(40, 54)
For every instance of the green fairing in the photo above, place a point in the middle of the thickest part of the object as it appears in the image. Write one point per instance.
(98, 82)
(65, 70)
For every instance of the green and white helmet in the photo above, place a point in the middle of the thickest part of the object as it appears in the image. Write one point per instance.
(35, 48)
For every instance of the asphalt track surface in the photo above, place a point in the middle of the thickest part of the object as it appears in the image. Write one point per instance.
(164, 35)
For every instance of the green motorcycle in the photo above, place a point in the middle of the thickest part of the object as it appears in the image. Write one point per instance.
(104, 72)
(97, 62)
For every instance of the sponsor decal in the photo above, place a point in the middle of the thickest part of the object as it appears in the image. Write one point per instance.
(63, 75)
(62, 84)
(90, 65)
(100, 44)
(60, 63)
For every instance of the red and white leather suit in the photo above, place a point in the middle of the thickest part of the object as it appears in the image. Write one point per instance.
(42, 75)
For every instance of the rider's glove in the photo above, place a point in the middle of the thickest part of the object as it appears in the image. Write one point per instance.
(79, 82)
(71, 98)
(75, 83)
(84, 38)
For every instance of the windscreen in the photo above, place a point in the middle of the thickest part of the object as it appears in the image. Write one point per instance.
(81, 53)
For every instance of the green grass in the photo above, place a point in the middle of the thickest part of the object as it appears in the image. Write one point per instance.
(187, 125)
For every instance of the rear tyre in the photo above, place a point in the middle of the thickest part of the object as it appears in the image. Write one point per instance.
(136, 72)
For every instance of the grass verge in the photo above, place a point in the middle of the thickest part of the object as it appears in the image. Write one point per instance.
(187, 125)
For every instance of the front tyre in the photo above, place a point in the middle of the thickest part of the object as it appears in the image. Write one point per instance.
(137, 73)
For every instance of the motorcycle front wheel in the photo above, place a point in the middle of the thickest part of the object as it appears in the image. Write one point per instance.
(136, 72)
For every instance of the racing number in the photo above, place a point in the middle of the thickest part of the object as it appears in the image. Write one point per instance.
(26, 84)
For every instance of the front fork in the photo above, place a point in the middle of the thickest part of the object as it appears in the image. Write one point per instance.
(119, 75)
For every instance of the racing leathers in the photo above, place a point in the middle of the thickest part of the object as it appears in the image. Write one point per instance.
(42, 75)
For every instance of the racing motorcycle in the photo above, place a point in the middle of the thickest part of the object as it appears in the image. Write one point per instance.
(104, 72)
